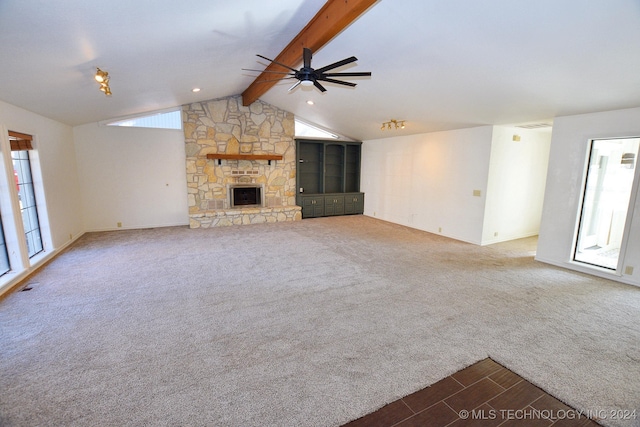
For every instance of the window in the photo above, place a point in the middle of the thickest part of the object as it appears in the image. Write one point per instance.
(307, 130)
(160, 120)
(4, 255)
(27, 199)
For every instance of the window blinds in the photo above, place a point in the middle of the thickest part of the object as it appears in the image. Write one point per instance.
(20, 141)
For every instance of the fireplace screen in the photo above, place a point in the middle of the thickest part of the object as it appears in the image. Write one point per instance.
(246, 196)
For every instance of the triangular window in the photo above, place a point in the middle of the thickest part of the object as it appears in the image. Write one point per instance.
(307, 130)
(166, 119)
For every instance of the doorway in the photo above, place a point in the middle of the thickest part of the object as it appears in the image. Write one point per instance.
(606, 197)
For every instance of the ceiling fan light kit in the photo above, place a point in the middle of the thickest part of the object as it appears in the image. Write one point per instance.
(308, 76)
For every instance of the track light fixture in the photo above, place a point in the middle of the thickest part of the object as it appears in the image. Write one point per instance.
(397, 124)
(102, 77)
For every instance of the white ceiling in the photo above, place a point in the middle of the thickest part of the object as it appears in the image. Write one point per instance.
(438, 64)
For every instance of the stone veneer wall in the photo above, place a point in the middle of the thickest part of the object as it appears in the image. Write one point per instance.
(226, 126)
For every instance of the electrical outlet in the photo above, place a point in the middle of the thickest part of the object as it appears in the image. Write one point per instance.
(70, 236)
(628, 270)
(477, 193)
(439, 229)
(119, 224)
(495, 234)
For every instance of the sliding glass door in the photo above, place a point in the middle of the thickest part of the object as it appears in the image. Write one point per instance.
(607, 193)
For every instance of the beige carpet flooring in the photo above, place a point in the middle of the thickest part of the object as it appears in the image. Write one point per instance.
(313, 323)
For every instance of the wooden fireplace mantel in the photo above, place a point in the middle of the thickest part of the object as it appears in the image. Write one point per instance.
(219, 157)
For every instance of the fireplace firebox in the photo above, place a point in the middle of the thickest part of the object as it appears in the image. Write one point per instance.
(246, 196)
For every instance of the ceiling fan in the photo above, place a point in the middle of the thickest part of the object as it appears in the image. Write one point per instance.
(308, 76)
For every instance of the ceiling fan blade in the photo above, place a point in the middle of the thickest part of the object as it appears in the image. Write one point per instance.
(266, 71)
(276, 62)
(319, 86)
(361, 74)
(295, 85)
(306, 56)
(274, 80)
(324, 79)
(337, 64)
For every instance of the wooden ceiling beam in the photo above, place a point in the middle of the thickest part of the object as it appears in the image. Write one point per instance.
(335, 16)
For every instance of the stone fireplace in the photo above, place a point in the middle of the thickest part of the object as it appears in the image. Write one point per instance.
(240, 163)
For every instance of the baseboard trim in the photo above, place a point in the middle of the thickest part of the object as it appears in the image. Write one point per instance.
(589, 271)
(137, 227)
(509, 238)
(15, 279)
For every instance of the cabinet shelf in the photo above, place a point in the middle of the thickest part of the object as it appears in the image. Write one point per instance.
(268, 157)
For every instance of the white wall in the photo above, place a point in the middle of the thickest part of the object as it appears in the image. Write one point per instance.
(56, 184)
(427, 181)
(567, 161)
(135, 176)
(517, 176)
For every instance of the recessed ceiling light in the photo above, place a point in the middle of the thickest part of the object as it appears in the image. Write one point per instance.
(310, 102)
(195, 89)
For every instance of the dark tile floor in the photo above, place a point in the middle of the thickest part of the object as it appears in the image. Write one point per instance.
(484, 394)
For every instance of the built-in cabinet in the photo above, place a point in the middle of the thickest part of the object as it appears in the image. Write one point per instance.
(328, 178)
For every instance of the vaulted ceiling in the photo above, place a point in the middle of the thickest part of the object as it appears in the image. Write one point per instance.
(437, 64)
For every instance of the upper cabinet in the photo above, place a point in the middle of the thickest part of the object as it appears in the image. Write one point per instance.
(352, 168)
(334, 172)
(310, 167)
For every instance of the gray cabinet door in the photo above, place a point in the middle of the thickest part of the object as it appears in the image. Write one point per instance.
(334, 204)
(353, 203)
(312, 206)
(359, 203)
